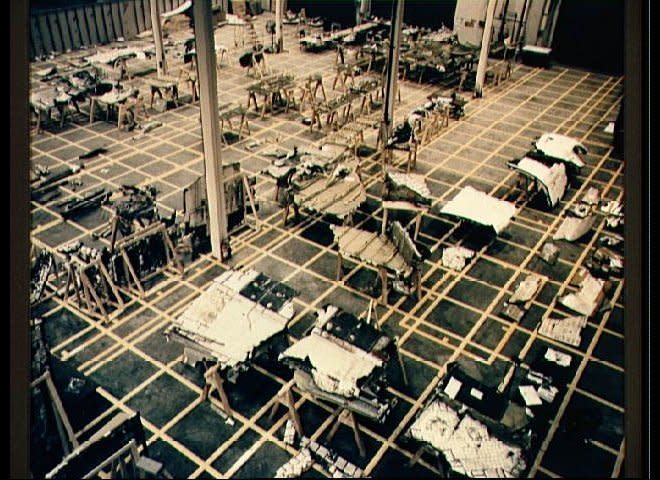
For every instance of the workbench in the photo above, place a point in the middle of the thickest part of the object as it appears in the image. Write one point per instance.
(274, 88)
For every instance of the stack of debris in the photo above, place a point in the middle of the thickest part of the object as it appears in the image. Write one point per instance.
(338, 466)
(466, 443)
(296, 466)
(344, 360)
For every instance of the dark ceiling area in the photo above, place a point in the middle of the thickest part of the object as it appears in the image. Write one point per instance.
(589, 35)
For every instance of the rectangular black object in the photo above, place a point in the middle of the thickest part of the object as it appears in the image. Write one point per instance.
(269, 293)
(536, 56)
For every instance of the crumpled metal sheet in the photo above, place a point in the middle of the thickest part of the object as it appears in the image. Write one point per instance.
(561, 147)
(408, 186)
(338, 197)
(552, 180)
(370, 247)
(573, 228)
(590, 296)
(549, 253)
(526, 289)
(479, 207)
(565, 330)
(456, 257)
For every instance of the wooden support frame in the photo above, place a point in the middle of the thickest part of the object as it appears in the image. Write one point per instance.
(215, 382)
(349, 416)
(285, 398)
(406, 207)
(170, 252)
(64, 428)
(93, 304)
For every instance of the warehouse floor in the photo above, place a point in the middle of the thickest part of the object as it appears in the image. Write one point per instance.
(457, 317)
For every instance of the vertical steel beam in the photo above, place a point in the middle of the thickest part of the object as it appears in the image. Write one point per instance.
(485, 47)
(279, 37)
(161, 64)
(392, 73)
(208, 104)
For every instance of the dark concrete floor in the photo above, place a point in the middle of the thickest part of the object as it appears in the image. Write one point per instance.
(459, 315)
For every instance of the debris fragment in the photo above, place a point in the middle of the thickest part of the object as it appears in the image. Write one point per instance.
(529, 395)
(551, 180)
(526, 289)
(560, 358)
(591, 196)
(573, 228)
(456, 257)
(604, 262)
(565, 330)
(479, 207)
(549, 253)
(590, 296)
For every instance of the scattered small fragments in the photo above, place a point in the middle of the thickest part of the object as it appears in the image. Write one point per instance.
(604, 262)
(296, 466)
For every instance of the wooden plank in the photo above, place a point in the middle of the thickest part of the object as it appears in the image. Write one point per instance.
(82, 27)
(100, 24)
(107, 18)
(128, 21)
(35, 35)
(64, 30)
(73, 28)
(140, 16)
(144, 7)
(55, 33)
(91, 25)
(45, 34)
(116, 21)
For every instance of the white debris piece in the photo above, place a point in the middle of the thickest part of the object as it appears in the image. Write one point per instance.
(529, 394)
(336, 368)
(591, 197)
(560, 358)
(566, 330)
(478, 394)
(479, 207)
(549, 253)
(573, 228)
(587, 300)
(412, 181)
(226, 323)
(609, 128)
(526, 289)
(611, 207)
(561, 147)
(547, 394)
(552, 180)
(466, 443)
(289, 433)
(456, 257)
(581, 210)
(453, 387)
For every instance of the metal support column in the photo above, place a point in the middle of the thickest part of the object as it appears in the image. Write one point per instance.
(208, 104)
(392, 73)
(485, 47)
(363, 11)
(161, 63)
(279, 13)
